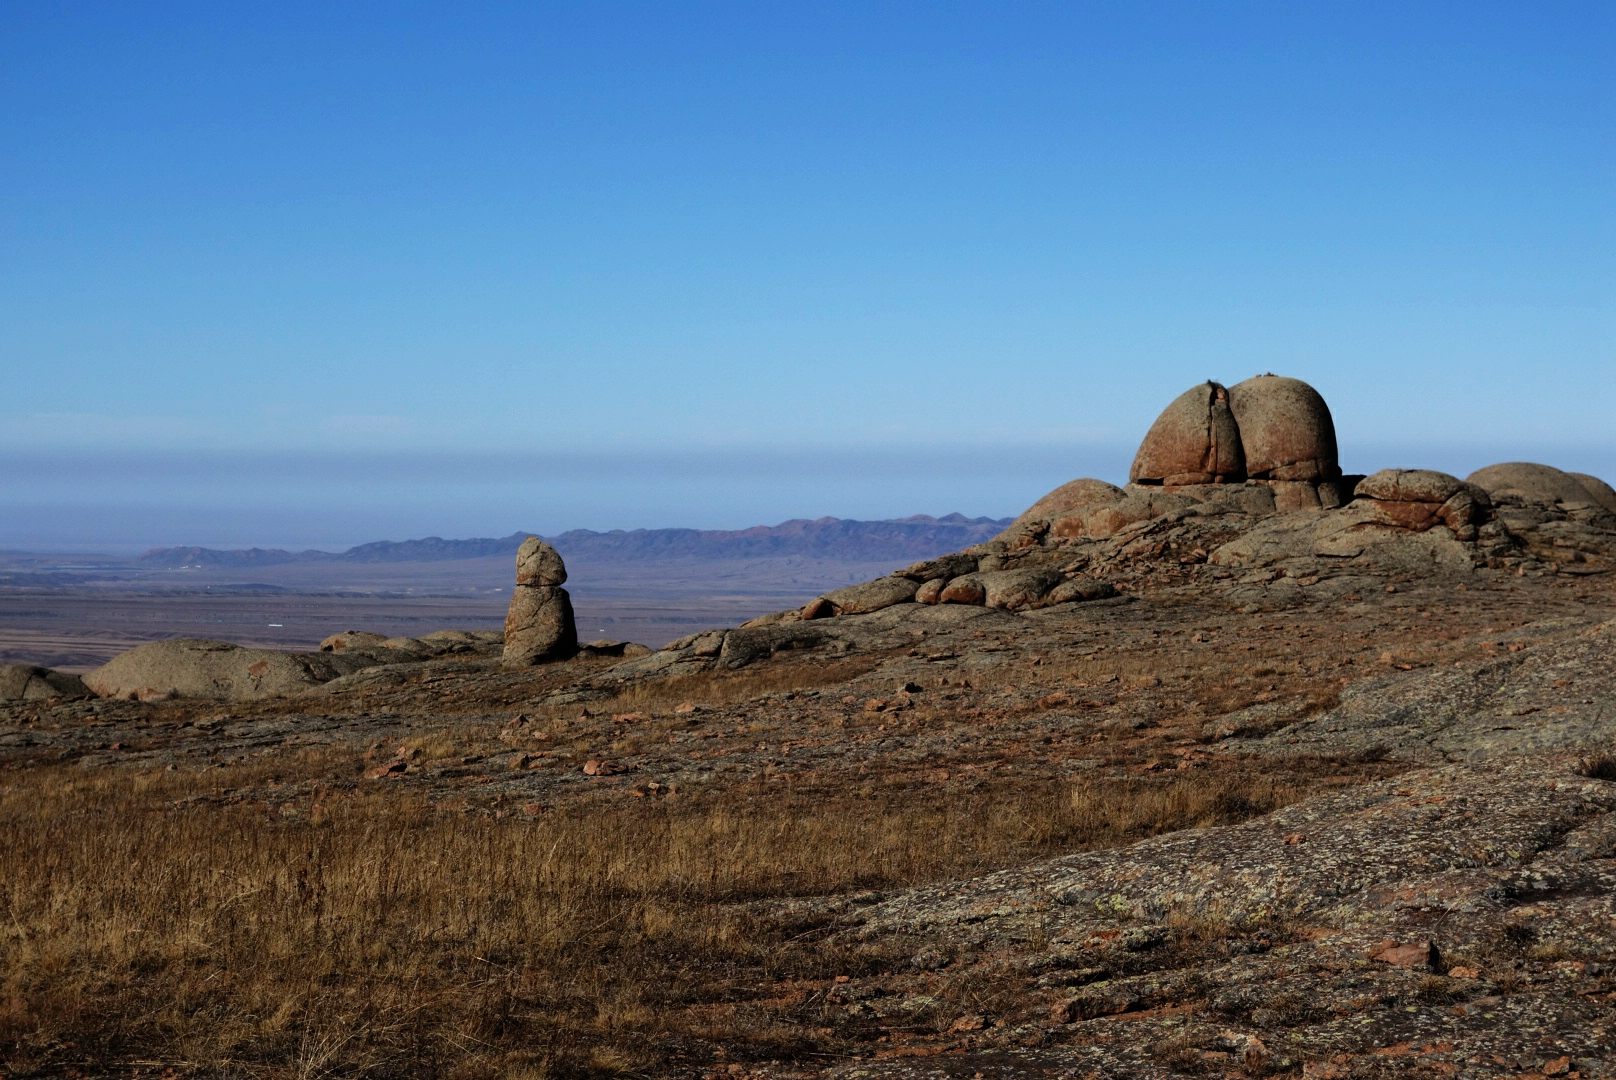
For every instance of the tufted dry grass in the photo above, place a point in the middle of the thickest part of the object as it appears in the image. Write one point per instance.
(363, 931)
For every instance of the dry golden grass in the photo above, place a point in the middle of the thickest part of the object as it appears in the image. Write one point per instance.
(369, 931)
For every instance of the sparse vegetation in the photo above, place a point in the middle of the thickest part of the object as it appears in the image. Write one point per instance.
(1599, 766)
(163, 917)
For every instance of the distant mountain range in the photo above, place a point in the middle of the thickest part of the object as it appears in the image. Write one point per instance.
(918, 537)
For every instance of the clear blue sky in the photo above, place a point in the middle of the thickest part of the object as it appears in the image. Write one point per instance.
(321, 273)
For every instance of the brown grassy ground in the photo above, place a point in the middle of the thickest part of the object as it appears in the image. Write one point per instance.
(369, 932)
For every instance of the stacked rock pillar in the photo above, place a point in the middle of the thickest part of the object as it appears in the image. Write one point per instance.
(539, 625)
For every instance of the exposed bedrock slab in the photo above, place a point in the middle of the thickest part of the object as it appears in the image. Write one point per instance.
(1552, 695)
(1387, 880)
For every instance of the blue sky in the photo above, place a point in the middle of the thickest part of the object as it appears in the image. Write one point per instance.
(304, 273)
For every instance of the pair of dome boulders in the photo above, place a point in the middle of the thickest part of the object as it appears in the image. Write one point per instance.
(539, 624)
(1267, 428)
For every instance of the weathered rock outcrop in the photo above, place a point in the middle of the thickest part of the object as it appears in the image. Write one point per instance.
(1194, 441)
(1417, 499)
(197, 668)
(1072, 495)
(539, 625)
(352, 639)
(26, 682)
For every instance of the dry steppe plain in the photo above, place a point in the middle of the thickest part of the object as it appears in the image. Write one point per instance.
(1348, 821)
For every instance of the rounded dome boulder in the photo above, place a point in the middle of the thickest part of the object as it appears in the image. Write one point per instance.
(1285, 429)
(1194, 441)
(1070, 496)
(1531, 481)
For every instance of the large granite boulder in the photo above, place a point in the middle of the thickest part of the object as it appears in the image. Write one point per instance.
(26, 682)
(1419, 499)
(1194, 441)
(1531, 481)
(196, 668)
(1286, 431)
(539, 624)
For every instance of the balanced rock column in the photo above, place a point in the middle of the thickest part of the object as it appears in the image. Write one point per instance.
(539, 625)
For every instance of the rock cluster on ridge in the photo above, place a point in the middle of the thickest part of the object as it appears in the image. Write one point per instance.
(1237, 491)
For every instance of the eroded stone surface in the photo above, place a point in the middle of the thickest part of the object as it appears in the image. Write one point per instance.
(1194, 441)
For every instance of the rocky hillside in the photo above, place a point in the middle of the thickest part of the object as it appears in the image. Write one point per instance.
(1247, 769)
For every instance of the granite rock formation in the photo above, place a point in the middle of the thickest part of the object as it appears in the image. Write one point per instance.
(1286, 431)
(1194, 441)
(1256, 524)
(196, 668)
(539, 626)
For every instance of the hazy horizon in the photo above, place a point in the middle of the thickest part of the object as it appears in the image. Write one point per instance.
(137, 502)
(313, 275)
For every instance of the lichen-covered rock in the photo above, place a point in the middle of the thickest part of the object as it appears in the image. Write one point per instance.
(1014, 590)
(942, 568)
(1408, 485)
(967, 589)
(1286, 431)
(1292, 495)
(463, 641)
(27, 682)
(1080, 589)
(1419, 499)
(197, 668)
(1252, 498)
(1141, 504)
(1532, 482)
(1194, 441)
(537, 563)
